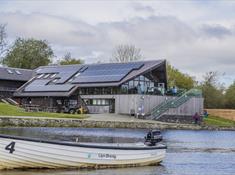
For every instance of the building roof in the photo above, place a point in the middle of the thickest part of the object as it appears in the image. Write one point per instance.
(15, 74)
(64, 80)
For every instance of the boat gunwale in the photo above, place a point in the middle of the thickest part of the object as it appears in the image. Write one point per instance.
(82, 145)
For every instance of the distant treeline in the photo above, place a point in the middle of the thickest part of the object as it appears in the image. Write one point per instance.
(216, 96)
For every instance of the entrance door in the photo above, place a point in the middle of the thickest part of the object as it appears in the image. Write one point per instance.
(112, 106)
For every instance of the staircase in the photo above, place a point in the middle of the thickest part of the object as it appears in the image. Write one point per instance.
(4, 101)
(11, 101)
(174, 103)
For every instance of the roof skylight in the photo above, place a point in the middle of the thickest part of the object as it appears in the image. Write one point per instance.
(18, 72)
(53, 75)
(40, 76)
(46, 76)
(9, 71)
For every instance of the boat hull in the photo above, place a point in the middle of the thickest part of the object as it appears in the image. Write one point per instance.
(26, 153)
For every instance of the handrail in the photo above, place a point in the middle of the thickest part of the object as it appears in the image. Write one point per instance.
(7, 89)
(174, 103)
(167, 100)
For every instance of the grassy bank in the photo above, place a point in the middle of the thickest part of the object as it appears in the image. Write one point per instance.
(9, 110)
(218, 121)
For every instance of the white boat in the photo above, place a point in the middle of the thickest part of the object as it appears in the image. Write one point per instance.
(21, 152)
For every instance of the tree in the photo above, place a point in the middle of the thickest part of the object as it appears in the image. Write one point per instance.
(230, 97)
(212, 91)
(3, 42)
(28, 54)
(67, 59)
(179, 79)
(126, 53)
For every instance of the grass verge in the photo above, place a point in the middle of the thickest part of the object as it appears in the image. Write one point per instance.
(218, 121)
(10, 110)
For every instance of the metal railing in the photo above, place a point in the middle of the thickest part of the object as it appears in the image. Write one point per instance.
(174, 103)
(7, 89)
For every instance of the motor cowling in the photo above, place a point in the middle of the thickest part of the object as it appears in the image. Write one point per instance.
(153, 137)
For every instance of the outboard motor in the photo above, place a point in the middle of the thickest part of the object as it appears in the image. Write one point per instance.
(153, 137)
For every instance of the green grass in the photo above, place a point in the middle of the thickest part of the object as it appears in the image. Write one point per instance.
(218, 122)
(10, 110)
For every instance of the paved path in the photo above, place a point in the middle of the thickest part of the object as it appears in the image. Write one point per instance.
(113, 117)
(96, 120)
(120, 118)
(93, 117)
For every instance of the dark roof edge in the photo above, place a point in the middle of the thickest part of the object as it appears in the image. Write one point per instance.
(152, 68)
(51, 66)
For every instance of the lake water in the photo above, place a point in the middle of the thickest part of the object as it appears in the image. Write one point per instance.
(189, 152)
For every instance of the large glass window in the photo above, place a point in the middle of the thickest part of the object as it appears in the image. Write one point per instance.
(97, 102)
(139, 85)
(124, 89)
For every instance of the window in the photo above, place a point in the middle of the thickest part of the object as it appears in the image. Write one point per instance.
(141, 78)
(96, 91)
(97, 102)
(103, 102)
(46, 76)
(136, 83)
(70, 80)
(124, 88)
(9, 71)
(131, 84)
(53, 75)
(18, 72)
(40, 75)
(139, 85)
(38, 70)
(77, 74)
(137, 78)
(88, 101)
(73, 102)
(107, 102)
(94, 102)
(151, 84)
(54, 81)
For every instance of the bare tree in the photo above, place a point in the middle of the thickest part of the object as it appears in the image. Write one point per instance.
(68, 59)
(3, 42)
(211, 78)
(126, 53)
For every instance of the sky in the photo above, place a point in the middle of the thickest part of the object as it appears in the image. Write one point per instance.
(194, 36)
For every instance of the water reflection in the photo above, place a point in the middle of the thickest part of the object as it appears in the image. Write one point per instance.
(80, 134)
(189, 152)
(150, 170)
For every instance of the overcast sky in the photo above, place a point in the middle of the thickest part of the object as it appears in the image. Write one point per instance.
(194, 36)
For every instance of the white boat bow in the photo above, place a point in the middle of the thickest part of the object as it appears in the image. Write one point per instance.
(21, 152)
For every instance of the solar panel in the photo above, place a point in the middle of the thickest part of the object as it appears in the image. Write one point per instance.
(58, 69)
(63, 72)
(49, 88)
(42, 86)
(79, 74)
(106, 72)
(83, 68)
(39, 82)
(90, 79)
(64, 76)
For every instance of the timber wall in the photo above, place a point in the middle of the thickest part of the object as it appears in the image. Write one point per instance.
(124, 104)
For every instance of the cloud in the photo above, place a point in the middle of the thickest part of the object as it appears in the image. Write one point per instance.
(192, 48)
(217, 31)
(143, 8)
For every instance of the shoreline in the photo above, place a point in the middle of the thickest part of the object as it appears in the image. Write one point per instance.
(15, 121)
